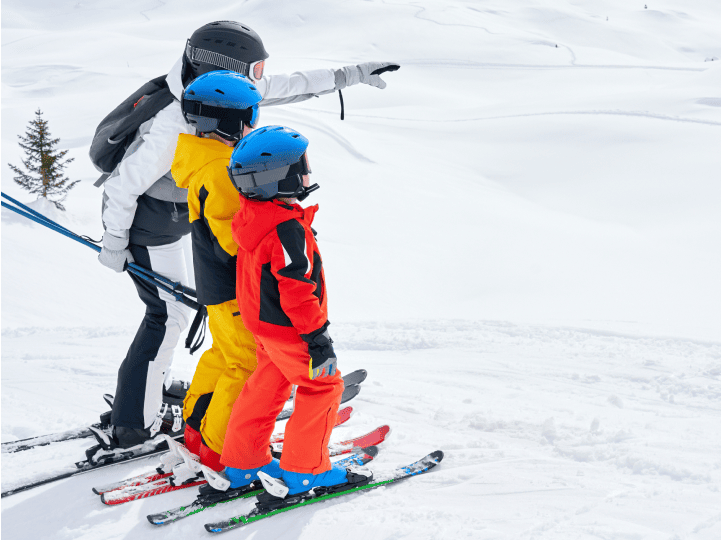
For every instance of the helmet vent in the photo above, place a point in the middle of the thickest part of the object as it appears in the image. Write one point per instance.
(219, 91)
(245, 28)
(295, 136)
(191, 92)
(266, 154)
(229, 44)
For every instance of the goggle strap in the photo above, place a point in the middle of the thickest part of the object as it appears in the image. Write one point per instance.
(216, 59)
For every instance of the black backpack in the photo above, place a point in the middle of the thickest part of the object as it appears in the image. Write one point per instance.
(117, 130)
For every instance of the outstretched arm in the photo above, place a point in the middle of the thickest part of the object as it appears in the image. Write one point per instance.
(303, 85)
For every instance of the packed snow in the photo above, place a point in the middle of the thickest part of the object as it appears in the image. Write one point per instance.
(521, 239)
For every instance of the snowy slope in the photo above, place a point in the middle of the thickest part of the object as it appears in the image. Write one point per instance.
(521, 239)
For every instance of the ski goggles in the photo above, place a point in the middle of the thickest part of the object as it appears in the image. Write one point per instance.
(285, 181)
(226, 122)
(254, 70)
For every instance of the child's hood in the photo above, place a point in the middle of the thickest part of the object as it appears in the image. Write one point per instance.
(192, 154)
(256, 219)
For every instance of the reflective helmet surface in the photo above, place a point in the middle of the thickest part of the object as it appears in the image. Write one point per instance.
(221, 102)
(269, 163)
(222, 45)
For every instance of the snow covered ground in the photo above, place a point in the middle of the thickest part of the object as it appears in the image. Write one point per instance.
(521, 236)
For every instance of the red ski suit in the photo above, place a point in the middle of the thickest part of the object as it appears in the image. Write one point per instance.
(281, 296)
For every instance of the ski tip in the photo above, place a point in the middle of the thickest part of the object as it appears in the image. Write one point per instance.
(371, 451)
(350, 392)
(102, 499)
(384, 431)
(345, 413)
(213, 528)
(95, 490)
(359, 375)
(436, 456)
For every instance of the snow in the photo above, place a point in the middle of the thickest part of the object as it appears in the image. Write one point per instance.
(520, 236)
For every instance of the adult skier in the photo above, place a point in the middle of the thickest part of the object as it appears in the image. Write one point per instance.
(145, 214)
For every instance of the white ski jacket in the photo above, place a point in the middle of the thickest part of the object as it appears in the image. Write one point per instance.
(145, 169)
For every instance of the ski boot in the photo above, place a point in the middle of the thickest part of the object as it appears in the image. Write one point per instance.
(292, 488)
(172, 395)
(192, 439)
(175, 393)
(233, 482)
(209, 494)
(120, 439)
(243, 477)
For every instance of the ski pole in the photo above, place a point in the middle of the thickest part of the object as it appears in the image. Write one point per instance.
(176, 286)
(132, 267)
(179, 287)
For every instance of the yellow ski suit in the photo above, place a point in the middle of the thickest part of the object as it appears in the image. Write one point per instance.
(200, 166)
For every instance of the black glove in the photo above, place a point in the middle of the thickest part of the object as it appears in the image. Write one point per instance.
(322, 356)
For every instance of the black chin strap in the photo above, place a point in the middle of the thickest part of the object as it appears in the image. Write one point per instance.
(342, 106)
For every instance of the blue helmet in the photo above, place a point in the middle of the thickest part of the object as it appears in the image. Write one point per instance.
(221, 102)
(270, 163)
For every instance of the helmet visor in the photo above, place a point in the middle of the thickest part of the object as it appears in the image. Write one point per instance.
(224, 121)
(282, 181)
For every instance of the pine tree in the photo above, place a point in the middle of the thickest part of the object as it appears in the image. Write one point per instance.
(44, 164)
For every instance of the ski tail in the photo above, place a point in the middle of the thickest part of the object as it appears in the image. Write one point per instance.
(135, 493)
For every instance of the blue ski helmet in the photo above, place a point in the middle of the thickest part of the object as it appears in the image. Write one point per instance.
(221, 102)
(270, 163)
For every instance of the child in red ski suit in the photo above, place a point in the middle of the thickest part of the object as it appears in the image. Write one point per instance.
(283, 302)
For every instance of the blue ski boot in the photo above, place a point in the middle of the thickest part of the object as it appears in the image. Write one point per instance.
(299, 482)
(242, 477)
(241, 481)
(292, 488)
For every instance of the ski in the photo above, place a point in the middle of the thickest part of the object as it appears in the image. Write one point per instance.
(375, 437)
(421, 466)
(43, 440)
(354, 378)
(349, 393)
(203, 502)
(104, 459)
(171, 395)
(158, 474)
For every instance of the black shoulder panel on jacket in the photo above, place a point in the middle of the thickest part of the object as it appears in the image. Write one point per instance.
(292, 237)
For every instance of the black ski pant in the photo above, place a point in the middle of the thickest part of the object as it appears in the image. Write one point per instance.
(139, 393)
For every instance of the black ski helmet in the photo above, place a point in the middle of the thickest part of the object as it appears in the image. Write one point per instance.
(222, 45)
